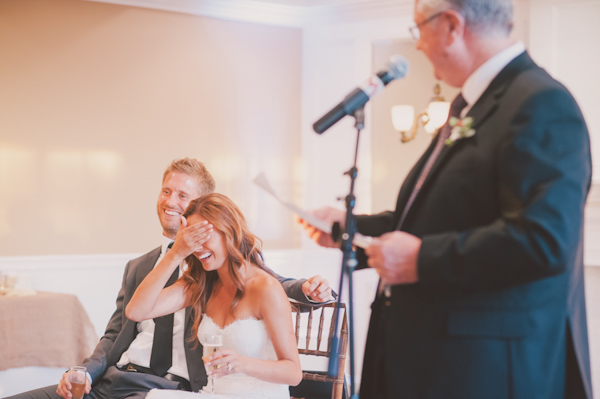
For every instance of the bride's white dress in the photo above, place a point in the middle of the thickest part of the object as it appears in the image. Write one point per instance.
(247, 337)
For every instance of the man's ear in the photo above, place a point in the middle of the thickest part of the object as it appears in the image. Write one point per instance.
(455, 24)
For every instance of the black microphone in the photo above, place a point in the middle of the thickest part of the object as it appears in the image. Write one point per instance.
(398, 67)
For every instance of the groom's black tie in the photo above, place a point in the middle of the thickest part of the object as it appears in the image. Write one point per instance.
(161, 358)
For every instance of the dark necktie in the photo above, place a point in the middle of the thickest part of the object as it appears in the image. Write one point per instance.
(161, 358)
(458, 104)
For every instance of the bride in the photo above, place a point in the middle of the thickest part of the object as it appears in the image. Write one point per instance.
(231, 294)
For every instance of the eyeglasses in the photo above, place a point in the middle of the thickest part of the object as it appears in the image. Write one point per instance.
(415, 30)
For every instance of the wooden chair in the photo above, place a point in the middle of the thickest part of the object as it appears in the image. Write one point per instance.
(311, 342)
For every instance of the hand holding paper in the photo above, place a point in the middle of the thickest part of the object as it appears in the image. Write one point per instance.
(324, 226)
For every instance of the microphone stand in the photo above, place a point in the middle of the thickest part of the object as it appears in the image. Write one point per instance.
(349, 263)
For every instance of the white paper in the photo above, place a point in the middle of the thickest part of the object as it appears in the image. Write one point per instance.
(262, 182)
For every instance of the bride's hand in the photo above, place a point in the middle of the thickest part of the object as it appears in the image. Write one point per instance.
(226, 361)
(191, 238)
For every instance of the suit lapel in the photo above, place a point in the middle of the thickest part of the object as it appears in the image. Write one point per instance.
(411, 180)
(128, 329)
(485, 106)
(488, 102)
(146, 265)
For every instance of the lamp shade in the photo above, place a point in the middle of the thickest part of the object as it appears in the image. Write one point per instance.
(438, 114)
(402, 117)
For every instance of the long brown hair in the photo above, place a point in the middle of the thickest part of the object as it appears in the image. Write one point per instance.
(240, 244)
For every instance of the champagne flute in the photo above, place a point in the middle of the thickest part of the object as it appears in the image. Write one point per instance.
(211, 344)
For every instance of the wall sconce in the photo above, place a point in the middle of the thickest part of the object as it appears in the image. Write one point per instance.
(434, 117)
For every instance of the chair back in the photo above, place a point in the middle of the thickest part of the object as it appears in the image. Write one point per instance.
(314, 329)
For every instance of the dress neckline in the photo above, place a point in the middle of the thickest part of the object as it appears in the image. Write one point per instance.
(250, 318)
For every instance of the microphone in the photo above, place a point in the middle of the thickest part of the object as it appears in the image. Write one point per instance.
(398, 67)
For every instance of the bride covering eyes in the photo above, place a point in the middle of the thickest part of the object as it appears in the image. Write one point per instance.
(231, 294)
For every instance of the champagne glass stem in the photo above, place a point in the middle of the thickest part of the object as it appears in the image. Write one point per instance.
(212, 343)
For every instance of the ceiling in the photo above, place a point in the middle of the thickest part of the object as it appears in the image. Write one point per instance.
(293, 13)
(316, 3)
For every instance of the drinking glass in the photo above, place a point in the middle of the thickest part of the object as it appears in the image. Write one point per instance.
(211, 344)
(77, 378)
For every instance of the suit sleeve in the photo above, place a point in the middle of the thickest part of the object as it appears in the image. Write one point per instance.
(97, 363)
(293, 289)
(373, 226)
(543, 176)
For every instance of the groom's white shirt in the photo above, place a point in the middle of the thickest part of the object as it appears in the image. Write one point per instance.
(141, 348)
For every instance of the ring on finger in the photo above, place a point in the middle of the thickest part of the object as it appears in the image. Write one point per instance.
(228, 366)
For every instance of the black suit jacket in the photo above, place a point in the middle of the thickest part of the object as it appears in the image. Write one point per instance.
(499, 309)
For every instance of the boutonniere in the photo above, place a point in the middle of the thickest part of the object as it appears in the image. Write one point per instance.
(461, 128)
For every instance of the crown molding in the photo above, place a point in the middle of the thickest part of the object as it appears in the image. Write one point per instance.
(264, 12)
(356, 12)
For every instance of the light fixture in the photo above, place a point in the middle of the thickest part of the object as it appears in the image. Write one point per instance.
(434, 117)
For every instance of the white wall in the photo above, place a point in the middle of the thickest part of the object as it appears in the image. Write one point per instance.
(97, 100)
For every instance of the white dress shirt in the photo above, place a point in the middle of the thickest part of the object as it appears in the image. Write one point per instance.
(141, 348)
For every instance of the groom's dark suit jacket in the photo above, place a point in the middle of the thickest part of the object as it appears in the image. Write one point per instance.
(108, 381)
(499, 308)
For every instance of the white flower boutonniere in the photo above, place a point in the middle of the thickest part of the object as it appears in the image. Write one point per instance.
(461, 128)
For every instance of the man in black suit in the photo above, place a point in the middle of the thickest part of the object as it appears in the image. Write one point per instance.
(481, 262)
(121, 365)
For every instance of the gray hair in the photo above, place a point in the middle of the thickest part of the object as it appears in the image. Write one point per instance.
(484, 17)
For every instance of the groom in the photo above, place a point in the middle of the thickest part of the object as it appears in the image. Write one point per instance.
(122, 364)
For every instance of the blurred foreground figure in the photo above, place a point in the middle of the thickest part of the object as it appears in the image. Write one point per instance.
(481, 263)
